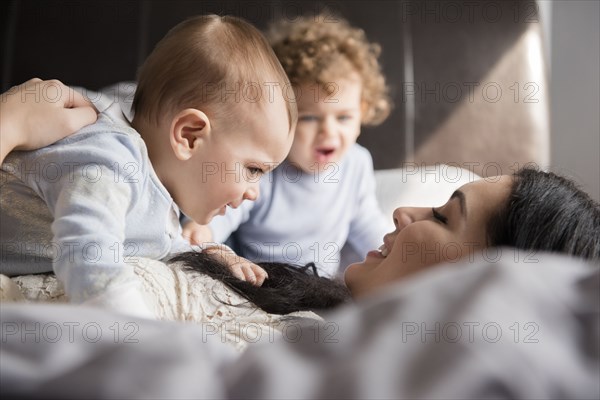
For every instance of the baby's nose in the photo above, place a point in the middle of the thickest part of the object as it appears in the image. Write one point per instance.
(251, 194)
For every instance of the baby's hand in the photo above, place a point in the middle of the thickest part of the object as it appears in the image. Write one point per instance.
(240, 267)
(196, 233)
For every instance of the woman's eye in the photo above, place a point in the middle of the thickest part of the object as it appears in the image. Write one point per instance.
(344, 118)
(439, 216)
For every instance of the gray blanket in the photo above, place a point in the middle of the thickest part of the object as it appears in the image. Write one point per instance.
(514, 327)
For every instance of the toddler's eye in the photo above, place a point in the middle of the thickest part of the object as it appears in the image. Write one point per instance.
(439, 217)
(344, 118)
(308, 118)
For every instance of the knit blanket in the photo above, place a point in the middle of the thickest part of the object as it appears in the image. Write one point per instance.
(178, 295)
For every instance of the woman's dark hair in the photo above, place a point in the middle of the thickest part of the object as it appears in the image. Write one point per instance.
(547, 212)
(288, 289)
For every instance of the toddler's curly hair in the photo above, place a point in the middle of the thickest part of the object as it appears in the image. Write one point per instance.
(319, 49)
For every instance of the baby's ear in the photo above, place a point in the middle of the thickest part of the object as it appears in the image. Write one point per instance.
(188, 129)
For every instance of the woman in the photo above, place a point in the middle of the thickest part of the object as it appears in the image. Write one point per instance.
(531, 210)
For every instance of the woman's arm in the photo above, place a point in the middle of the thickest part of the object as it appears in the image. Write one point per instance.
(38, 113)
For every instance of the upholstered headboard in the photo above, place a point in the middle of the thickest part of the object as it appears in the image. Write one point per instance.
(468, 78)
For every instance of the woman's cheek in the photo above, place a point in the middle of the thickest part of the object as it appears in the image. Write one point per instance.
(416, 249)
(349, 275)
(409, 241)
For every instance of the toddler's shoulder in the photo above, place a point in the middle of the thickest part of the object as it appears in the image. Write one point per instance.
(359, 154)
(358, 161)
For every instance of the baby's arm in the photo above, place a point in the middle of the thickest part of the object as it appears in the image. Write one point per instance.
(89, 203)
(38, 113)
(89, 221)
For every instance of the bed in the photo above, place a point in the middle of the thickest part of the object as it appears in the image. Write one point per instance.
(489, 329)
(508, 325)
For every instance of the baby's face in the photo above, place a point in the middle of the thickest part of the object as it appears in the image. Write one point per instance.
(253, 141)
(328, 124)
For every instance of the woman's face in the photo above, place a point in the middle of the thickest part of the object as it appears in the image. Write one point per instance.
(424, 237)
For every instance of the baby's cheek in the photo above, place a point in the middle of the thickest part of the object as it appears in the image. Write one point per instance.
(233, 191)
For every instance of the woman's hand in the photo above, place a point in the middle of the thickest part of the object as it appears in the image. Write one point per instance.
(240, 267)
(38, 113)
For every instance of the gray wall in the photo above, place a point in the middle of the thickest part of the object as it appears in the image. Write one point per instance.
(575, 92)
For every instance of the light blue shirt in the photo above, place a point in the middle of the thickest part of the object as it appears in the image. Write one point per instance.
(308, 217)
(85, 207)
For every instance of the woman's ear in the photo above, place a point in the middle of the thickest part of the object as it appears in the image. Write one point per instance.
(189, 129)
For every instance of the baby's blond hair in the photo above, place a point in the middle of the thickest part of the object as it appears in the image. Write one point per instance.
(322, 48)
(200, 61)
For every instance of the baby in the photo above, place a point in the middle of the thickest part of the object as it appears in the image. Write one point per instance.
(93, 201)
(323, 196)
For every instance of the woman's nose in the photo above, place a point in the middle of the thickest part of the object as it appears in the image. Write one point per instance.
(402, 217)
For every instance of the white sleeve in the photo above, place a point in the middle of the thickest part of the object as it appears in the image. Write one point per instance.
(88, 230)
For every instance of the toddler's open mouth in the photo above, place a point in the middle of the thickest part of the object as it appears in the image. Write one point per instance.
(325, 154)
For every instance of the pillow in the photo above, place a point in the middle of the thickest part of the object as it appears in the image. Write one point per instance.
(417, 185)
